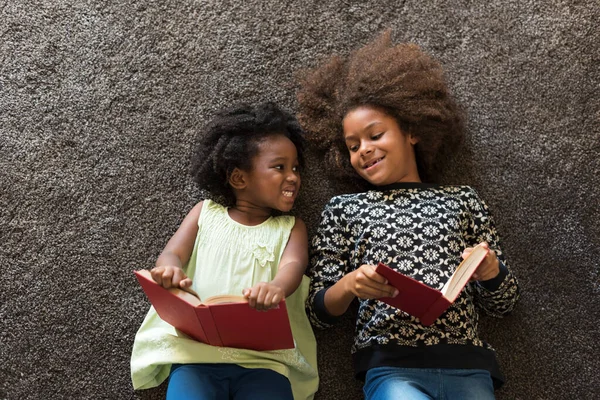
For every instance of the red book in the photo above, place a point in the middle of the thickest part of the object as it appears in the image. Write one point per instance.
(226, 321)
(425, 302)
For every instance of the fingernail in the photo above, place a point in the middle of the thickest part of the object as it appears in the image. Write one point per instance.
(396, 293)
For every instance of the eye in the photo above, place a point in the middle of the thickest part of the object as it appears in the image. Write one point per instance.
(279, 167)
(377, 136)
(296, 168)
(353, 148)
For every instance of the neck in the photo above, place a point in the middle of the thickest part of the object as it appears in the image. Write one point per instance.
(247, 213)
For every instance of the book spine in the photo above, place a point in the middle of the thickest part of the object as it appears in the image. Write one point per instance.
(205, 319)
(434, 311)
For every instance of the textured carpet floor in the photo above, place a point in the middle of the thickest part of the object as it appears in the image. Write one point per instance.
(99, 102)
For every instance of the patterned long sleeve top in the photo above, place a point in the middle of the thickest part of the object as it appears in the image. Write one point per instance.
(420, 230)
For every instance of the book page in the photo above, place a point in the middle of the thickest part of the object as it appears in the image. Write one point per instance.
(225, 298)
(463, 273)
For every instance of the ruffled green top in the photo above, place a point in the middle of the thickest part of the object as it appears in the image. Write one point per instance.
(227, 258)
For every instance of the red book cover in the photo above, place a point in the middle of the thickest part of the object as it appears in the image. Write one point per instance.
(230, 324)
(425, 302)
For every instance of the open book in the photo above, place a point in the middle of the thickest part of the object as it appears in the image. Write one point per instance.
(425, 302)
(219, 320)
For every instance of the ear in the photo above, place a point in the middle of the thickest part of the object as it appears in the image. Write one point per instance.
(413, 139)
(237, 179)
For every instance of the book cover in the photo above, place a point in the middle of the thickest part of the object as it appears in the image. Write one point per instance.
(423, 301)
(220, 320)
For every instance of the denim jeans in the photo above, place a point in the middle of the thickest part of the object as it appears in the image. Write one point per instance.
(226, 381)
(390, 383)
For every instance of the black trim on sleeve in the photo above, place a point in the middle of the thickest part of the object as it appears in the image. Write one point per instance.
(321, 311)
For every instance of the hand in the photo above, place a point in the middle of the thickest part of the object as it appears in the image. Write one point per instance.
(264, 295)
(170, 277)
(489, 267)
(365, 283)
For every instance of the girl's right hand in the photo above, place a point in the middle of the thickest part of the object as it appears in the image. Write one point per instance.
(170, 277)
(365, 283)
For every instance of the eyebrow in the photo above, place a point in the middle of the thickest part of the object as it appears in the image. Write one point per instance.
(366, 128)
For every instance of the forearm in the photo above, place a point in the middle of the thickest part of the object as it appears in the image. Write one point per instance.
(168, 259)
(289, 277)
(338, 298)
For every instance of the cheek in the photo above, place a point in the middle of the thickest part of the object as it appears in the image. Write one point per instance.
(354, 158)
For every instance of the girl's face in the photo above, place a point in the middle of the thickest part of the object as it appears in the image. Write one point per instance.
(274, 180)
(379, 151)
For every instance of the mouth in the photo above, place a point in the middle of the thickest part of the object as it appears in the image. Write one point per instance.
(372, 163)
(288, 193)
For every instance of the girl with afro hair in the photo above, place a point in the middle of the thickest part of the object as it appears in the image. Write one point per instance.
(248, 160)
(384, 115)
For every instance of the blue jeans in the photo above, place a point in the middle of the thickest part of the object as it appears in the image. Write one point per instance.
(390, 383)
(226, 381)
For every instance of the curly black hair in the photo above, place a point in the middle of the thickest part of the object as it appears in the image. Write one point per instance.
(230, 140)
(400, 80)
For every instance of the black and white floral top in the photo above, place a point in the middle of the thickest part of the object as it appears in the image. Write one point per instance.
(420, 230)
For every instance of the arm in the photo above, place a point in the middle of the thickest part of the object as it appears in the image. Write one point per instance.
(265, 295)
(168, 271)
(496, 288)
(334, 283)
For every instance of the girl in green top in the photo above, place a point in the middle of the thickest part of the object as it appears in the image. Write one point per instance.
(248, 161)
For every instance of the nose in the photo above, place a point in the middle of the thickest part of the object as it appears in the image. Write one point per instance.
(365, 148)
(292, 177)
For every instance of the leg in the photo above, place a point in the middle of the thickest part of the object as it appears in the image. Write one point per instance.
(385, 383)
(197, 382)
(467, 384)
(260, 384)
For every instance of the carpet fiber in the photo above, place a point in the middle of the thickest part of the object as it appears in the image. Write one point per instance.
(99, 104)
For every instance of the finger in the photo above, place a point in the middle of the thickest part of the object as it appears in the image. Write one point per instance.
(178, 276)
(276, 299)
(368, 271)
(251, 298)
(260, 299)
(246, 293)
(156, 274)
(167, 278)
(185, 283)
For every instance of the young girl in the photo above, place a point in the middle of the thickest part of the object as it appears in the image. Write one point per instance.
(248, 159)
(383, 115)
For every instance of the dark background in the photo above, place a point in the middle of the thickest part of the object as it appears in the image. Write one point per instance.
(99, 105)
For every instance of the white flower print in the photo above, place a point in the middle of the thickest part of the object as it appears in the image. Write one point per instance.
(431, 279)
(431, 230)
(404, 241)
(380, 255)
(406, 331)
(377, 212)
(453, 316)
(351, 209)
(402, 201)
(454, 245)
(432, 340)
(404, 220)
(431, 254)
(429, 210)
(378, 232)
(474, 205)
(453, 204)
(405, 265)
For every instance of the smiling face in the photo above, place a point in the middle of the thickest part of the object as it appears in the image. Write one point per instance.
(379, 151)
(274, 180)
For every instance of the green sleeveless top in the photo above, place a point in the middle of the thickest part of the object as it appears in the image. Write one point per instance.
(227, 258)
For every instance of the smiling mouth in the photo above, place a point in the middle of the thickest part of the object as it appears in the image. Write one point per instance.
(288, 193)
(371, 163)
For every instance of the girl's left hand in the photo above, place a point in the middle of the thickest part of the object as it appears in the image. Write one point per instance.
(489, 267)
(264, 295)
